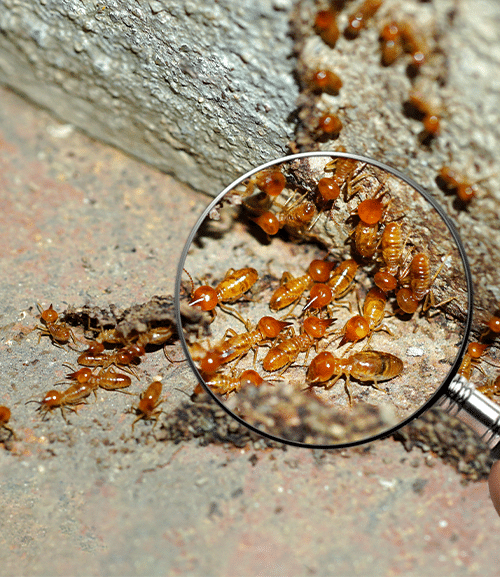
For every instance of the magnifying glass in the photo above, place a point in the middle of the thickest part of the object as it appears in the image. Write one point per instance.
(339, 302)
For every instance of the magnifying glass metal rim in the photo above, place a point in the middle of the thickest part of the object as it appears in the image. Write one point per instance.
(440, 391)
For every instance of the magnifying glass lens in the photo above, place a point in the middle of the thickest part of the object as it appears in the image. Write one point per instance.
(337, 296)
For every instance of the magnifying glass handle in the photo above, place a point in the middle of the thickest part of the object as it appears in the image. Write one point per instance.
(475, 410)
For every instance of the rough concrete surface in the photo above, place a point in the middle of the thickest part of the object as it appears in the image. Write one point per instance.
(177, 84)
(83, 223)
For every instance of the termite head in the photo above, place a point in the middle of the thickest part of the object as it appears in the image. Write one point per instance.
(49, 315)
(271, 327)
(316, 327)
(204, 297)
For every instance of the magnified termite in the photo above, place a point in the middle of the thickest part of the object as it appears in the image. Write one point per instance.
(292, 288)
(58, 331)
(271, 181)
(282, 355)
(224, 384)
(340, 283)
(420, 285)
(233, 286)
(365, 366)
(492, 327)
(371, 213)
(238, 345)
(296, 216)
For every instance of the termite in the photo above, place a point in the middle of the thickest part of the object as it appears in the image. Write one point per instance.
(224, 384)
(325, 25)
(375, 366)
(450, 180)
(339, 284)
(343, 168)
(420, 287)
(413, 44)
(286, 352)
(422, 109)
(155, 336)
(4, 419)
(73, 395)
(391, 45)
(270, 181)
(292, 288)
(238, 345)
(472, 359)
(149, 402)
(59, 332)
(492, 327)
(329, 125)
(95, 356)
(107, 379)
(392, 246)
(374, 308)
(359, 18)
(234, 285)
(385, 281)
(325, 81)
(296, 216)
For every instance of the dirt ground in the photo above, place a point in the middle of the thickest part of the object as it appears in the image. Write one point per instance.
(84, 224)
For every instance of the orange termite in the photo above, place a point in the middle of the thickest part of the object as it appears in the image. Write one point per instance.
(492, 327)
(234, 285)
(472, 359)
(421, 108)
(343, 169)
(59, 332)
(271, 181)
(391, 45)
(154, 336)
(355, 329)
(339, 284)
(225, 384)
(392, 246)
(374, 307)
(149, 402)
(73, 395)
(372, 366)
(413, 44)
(329, 125)
(420, 285)
(107, 379)
(385, 281)
(450, 180)
(292, 288)
(286, 352)
(4, 419)
(238, 345)
(328, 188)
(325, 25)
(359, 18)
(325, 81)
(95, 356)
